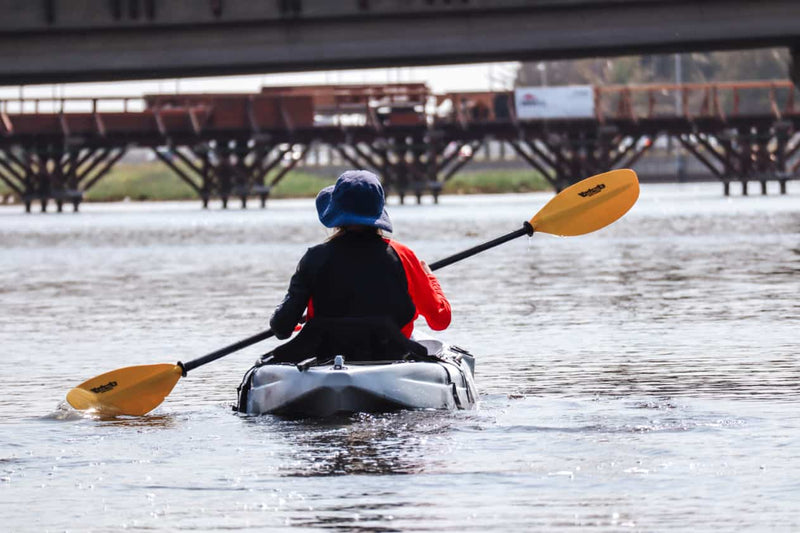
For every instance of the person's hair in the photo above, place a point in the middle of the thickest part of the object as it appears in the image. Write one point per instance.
(339, 231)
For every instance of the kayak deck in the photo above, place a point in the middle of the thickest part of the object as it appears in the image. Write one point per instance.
(340, 387)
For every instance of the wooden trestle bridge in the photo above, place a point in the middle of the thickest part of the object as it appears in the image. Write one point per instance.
(242, 145)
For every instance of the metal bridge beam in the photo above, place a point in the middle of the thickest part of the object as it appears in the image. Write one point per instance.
(45, 41)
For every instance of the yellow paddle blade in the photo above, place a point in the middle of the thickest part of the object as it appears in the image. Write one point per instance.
(588, 205)
(134, 390)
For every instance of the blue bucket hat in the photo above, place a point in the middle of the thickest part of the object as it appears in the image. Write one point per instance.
(357, 199)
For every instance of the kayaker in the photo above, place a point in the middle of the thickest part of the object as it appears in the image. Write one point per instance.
(360, 290)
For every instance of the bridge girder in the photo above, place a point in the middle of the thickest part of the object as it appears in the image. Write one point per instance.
(53, 41)
(794, 66)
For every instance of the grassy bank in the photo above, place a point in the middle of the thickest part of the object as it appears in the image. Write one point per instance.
(145, 181)
(154, 181)
(496, 181)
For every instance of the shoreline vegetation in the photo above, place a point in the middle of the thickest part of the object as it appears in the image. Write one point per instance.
(155, 182)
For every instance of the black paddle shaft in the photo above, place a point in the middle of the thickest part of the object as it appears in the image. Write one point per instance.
(526, 229)
(222, 352)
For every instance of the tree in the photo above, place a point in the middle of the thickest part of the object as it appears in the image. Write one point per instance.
(699, 67)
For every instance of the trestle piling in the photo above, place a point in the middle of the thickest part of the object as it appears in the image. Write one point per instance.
(237, 146)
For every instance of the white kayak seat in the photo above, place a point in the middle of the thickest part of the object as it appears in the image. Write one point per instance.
(435, 347)
(438, 349)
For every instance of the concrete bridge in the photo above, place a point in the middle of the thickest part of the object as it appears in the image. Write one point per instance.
(54, 41)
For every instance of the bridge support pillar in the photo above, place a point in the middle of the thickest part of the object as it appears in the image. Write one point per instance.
(52, 172)
(759, 153)
(415, 164)
(565, 158)
(233, 168)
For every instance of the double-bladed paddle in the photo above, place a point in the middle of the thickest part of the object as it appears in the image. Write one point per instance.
(587, 206)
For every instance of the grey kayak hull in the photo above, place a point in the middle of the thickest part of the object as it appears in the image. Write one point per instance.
(327, 390)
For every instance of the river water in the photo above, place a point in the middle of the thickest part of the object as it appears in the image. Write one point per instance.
(645, 377)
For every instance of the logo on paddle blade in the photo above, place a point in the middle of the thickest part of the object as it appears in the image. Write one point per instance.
(104, 388)
(591, 192)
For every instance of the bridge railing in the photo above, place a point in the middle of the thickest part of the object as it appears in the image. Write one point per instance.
(89, 104)
(384, 105)
(376, 105)
(67, 116)
(154, 115)
(721, 100)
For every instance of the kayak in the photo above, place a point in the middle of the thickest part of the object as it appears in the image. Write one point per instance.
(443, 380)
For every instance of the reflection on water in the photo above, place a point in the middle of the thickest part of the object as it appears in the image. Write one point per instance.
(152, 421)
(363, 444)
(644, 377)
